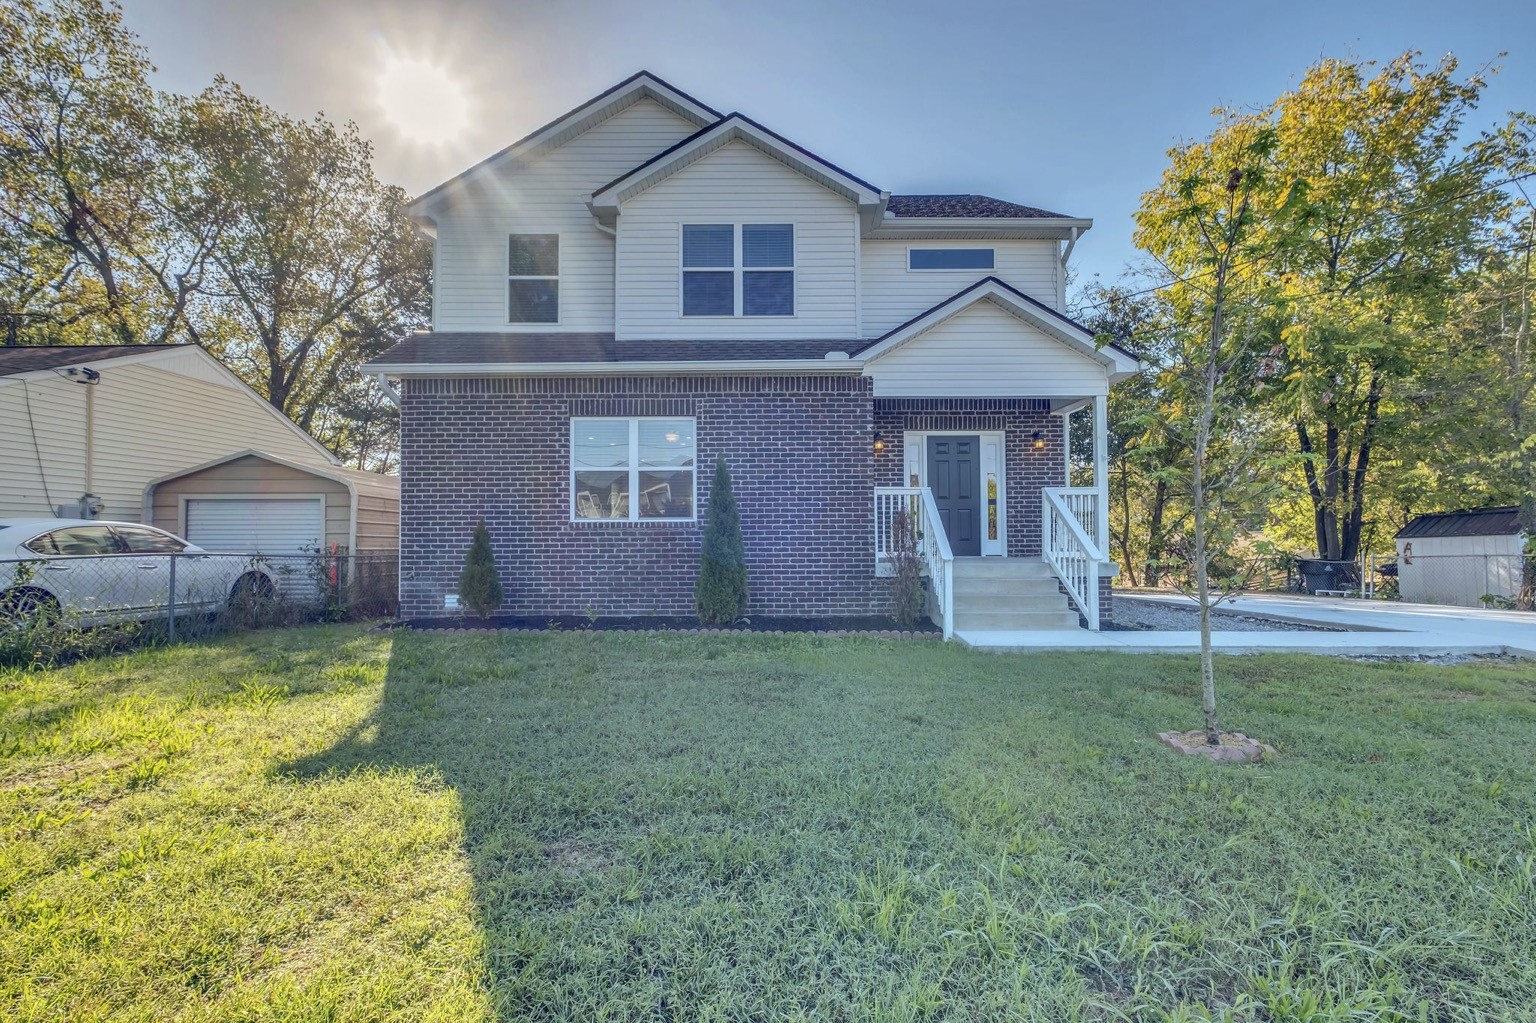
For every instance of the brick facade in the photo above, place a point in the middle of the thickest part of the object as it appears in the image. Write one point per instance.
(799, 452)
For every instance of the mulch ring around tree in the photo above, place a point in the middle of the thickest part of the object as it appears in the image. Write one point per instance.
(836, 625)
(1234, 747)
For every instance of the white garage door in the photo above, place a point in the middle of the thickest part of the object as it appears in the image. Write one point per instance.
(258, 525)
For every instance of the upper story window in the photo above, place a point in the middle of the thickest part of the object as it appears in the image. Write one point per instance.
(533, 278)
(738, 269)
(950, 259)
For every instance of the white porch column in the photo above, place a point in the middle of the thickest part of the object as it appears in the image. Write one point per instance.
(1101, 471)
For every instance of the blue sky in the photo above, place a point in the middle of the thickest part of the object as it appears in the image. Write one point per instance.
(1069, 106)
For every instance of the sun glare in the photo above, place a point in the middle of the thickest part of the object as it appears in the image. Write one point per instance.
(422, 100)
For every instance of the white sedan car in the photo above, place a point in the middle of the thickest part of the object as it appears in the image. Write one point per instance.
(96, 572)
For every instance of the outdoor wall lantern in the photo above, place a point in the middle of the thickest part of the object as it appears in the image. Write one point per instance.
(879, 442)
(1039, 440)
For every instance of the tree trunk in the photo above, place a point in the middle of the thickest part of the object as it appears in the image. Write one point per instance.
(1153, 574)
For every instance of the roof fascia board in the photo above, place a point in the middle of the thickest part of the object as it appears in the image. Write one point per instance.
(732, 128)
(619, 368)
(979, 227)
(643, 83)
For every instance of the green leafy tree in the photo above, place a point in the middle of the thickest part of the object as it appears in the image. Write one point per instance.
(479, 584)
(720, 596)
(1388, 218)
(318, 265)
(76, 124)
(1207, 225)
(1147, 500)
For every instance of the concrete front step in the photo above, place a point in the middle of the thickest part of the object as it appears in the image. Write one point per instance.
(1013, 621)
(1031, 600)
(1004, 589)
(996, 568)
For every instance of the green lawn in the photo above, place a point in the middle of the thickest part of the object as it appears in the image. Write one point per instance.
(331, 824)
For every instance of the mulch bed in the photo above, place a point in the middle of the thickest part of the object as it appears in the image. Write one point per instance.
(839, 625)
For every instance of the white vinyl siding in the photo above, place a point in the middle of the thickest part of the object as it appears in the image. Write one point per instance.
(547, 195)
(985, 351)
(893, 294)
(737, 184)
(152, 418)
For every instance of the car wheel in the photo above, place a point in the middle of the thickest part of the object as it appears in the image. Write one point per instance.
(251, 588)
(27, 605)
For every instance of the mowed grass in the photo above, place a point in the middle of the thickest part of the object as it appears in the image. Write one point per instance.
(332, 824)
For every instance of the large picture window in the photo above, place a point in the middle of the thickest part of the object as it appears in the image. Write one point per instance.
(533, 278)
(738, 269)
(632, 470)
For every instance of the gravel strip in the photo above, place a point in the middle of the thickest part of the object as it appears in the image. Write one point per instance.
(1149, 615)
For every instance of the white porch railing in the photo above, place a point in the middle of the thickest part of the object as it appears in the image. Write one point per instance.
(1082, 502)
(1068, 517)
(916, 503)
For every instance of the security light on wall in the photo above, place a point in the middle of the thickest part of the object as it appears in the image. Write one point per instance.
(879, 442)
(1039, 440)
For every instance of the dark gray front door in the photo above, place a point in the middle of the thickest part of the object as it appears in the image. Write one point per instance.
(954, 474)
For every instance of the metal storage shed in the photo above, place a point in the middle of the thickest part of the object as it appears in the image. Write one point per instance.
(1460, 557)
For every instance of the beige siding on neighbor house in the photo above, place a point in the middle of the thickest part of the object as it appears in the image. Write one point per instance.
(151, 419)
(546, 195)
(737, 183)
(893, 294)
(985, 351)
(255, 477)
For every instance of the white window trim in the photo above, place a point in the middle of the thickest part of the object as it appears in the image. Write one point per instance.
(738, 271)
(950, 269)
(510, 277)
(632, 468)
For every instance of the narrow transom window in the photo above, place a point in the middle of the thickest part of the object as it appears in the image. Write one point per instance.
(738, 270)
(950, 259)
(533, 278)
(632, 470)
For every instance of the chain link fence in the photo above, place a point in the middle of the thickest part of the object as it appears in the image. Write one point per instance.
(58, 607)
(1466, 580)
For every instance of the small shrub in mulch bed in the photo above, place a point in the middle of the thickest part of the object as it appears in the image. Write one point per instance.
(879, 625)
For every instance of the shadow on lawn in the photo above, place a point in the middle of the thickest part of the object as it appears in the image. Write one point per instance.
(647, 820)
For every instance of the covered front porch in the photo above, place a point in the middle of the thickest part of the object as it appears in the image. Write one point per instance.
(1000, 530)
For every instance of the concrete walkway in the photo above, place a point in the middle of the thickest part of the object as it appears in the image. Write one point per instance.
(1387, 628)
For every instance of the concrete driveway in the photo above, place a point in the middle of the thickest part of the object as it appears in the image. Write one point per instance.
(1383, 628)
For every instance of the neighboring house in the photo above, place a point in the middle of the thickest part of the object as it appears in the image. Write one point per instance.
(166, 434)
(645, 285)
(1460, 557)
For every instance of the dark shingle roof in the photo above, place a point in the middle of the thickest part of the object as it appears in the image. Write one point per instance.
(1476, 522)
(961, 206)
(504, 349)
(29, 358)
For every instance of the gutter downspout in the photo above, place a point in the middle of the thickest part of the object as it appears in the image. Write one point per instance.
(389, 392)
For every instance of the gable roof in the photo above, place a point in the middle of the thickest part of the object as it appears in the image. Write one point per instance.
(641, 85)
(1063, 328)
(965, 207)
(731, 128)
(373, 483)
(31, 358)
(18, 361)
(1501, 521)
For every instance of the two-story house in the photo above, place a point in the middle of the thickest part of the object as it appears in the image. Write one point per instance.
(645, 284)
